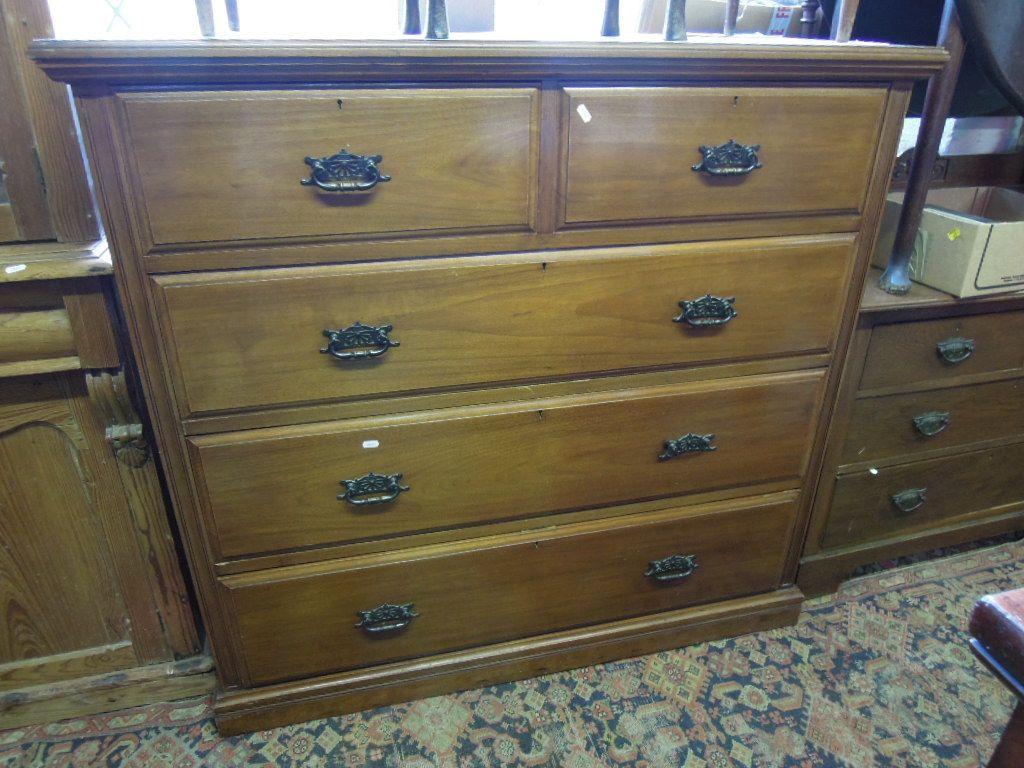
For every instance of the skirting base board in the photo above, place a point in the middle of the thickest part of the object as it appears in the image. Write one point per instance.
(239, 711)
(823, 572)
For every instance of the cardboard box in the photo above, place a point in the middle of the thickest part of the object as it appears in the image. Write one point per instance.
(765, 17)
(971, 240)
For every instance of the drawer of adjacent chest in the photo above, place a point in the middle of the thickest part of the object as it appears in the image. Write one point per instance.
(218, 166)
(380, 477)
(674, 153)
(317, 619)
(269, 337)
(935, 350)
(887, 501)
(905, 424)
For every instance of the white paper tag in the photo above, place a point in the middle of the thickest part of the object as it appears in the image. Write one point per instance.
(371, 443)
(15, 268)
(584, 113)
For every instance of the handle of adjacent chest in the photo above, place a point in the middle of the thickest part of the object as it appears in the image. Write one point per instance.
(909, 500)
(345, 172)
(707, 311)
(673, 568)
(386, 618)
(729, 159)
(955, 349)
(372, 489)
(932, 423)
(359, 342)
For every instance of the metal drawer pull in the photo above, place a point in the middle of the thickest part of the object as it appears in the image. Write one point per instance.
(932, 423)
(688, 443)
(345, 172)
(386, 618)
(359, 341)
(956, 349)
(910, 500)
(674, 568)
(372, 489)
(707, 311)
(729, 159)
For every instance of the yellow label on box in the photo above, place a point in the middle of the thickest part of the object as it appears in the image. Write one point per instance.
(954, 234)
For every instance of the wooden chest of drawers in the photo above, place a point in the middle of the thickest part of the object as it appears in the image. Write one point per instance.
(927, 442)
(515, 366)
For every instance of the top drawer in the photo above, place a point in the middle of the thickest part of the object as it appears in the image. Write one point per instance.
(632, 151)
(223, 166)
(933, 350)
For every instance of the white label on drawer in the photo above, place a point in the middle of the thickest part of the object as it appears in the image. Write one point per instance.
(13, 268)
(371, 443)
(584, 113)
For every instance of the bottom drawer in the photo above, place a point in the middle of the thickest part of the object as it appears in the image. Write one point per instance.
(888, 501)
(301, 621)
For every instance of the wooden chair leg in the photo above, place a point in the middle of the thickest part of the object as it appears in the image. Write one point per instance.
(843, 18)
(1010, 751)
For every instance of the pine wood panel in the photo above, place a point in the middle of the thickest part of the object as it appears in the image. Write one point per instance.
(35, 334)
(971, 484)
(512, 587)
(254, 339)
(227, 166)
(631, 152)
(883, 427)
(905, 353)
(472, 465)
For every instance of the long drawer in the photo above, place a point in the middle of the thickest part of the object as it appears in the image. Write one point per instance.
(220, 165)
(653, 153)
(303, 621)
(905, 424)
(938, 350)
(255, 339)
(279, 489)
(885, 502)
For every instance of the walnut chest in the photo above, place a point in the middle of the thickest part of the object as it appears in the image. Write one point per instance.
(474, 361)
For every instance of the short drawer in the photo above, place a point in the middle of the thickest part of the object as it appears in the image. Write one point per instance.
(279, 489)
(632, 152)
(302, 621)
(220, 166)
(255, 339)
(886, 502)
(935, 350)
(896, 425)
(34, 323)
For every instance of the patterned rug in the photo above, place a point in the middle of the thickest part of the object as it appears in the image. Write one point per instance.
(878, 675)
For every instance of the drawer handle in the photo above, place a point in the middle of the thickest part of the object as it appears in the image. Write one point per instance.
(359, 341)
(386, 618)
(372, 489)
(910, 500)
(707, 311)
(956, 349)
(345, 172)
(932, 423)
(674, 568)
(689, 443)
(729, 159)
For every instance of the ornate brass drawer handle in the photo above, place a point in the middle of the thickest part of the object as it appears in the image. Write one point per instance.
(932, 423)
(955, 349)
(688, 443)
(359, 341)
(345, 172)
(372, 489)
(707, 311)
(909, 500)
(674, 568)
(729, 159)
(386, 618)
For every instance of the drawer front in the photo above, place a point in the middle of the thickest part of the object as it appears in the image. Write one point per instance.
(863, 508)
(896, 425)
(303, 622)
(279, 489)
(252, 340)
(34, 323)
(632, 151)
(223, 166)
(933, 350)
